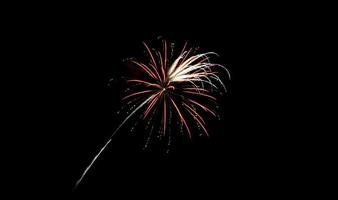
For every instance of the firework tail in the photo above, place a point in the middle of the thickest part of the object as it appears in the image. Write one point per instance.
(109, 140)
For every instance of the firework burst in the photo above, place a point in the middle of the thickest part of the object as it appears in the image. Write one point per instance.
(170, 86)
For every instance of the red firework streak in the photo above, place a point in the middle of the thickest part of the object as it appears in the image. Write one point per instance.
(180, 86)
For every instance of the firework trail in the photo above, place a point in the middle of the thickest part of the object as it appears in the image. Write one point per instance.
(175, 86)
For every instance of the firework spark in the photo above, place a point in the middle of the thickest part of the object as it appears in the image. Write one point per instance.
(172, 86)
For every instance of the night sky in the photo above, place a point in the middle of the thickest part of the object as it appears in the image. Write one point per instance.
(249, 150)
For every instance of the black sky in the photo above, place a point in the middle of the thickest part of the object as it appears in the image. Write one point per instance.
(77, 51)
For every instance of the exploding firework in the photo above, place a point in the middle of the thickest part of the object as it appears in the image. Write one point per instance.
(180, 86)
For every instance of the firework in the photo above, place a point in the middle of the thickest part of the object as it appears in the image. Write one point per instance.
(170, 87)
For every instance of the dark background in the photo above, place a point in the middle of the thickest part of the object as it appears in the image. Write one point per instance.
(71, 108)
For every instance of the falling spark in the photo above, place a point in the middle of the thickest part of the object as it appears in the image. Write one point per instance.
(176, 87)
